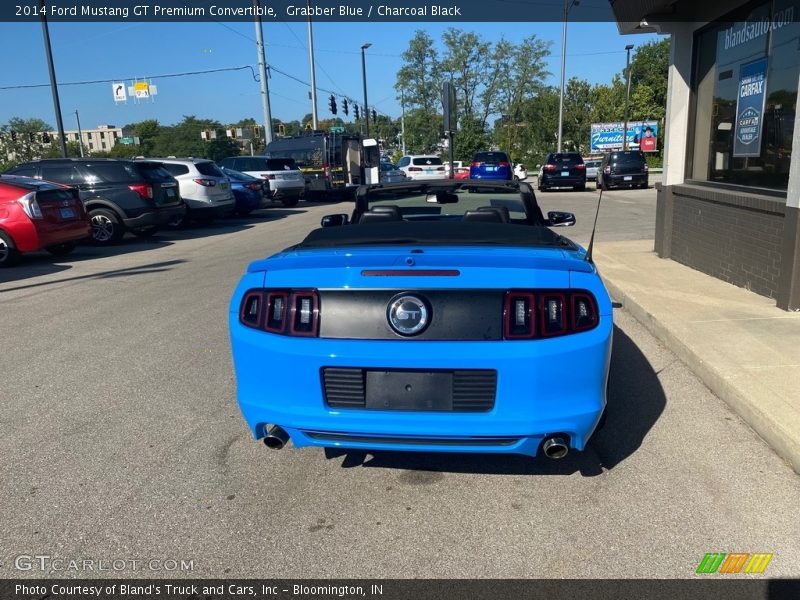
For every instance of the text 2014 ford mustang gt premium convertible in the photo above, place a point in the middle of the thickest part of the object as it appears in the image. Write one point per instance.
(439, 316)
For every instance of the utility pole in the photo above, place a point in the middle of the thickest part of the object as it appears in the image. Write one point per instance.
(80, 133)
(567, 6)
(403, 120)
(364, 77)
(262, 70)
(314, 121)
(628, 48)
(53, 85)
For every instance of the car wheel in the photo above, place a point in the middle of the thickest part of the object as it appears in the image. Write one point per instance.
(290, 202)
(243, 212)
(145, 232)
(61, 249)
(106, 227)
(9, 255)
(581, 188)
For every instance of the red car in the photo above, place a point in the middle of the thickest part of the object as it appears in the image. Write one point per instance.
(37, 215)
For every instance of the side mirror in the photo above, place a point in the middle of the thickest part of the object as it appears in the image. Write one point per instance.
(334, 220)
(556, 218)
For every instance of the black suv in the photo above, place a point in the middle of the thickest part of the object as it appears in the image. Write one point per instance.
(563, 169)
(118, 194)
(627, 168)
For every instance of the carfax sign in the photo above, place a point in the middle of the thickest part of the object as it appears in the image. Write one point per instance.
(750, 108)
(642, 135)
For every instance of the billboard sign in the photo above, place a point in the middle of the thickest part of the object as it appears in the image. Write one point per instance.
(642, 135)
(750, 108)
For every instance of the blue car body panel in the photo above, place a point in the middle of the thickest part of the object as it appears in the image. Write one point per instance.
(246, 199)
(544, 386)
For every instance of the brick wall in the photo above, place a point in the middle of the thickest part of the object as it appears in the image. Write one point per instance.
(733, 236)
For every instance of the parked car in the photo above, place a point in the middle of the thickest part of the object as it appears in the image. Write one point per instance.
(491, 165)
(563, 169)
(469, 343)
(248, 192)
(204, 188)
(422, 167)
(391, 174)
(520, 172)
(119, 195)
(592, 167)
(36, 215)
(286, 182)
(627, 168)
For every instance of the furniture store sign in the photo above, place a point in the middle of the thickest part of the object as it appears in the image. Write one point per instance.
(642, 135)
(750, 108)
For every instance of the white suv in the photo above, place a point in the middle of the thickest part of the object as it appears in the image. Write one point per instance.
(286, 181)
(422, 166)
(204, 188)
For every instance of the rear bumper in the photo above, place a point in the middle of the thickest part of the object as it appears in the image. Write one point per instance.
(155, 218)
(28, 237)
(288, 192)
(626, 179)
(543, 387)
(560, 181)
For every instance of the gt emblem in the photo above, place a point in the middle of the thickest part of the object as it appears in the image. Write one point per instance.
(407, 315)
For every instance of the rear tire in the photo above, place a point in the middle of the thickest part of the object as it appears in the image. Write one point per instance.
(580, 188)
(244, 212)
(61, 249)
(290, 202)
(107, 228)
(9, 255)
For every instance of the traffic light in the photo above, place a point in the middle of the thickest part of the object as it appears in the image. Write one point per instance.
(257, 132)
(355, 111)
(345, 108)
(374, 115)
(13, 136)
(332, 104)
(46, 137)
(282, 129)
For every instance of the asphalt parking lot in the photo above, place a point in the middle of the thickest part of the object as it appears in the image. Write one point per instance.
(122, 440)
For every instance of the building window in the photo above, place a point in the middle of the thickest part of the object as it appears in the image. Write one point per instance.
(746, 70)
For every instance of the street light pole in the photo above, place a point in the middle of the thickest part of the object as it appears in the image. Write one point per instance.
(314, 121)
(53, 86)
(628, 49)
(567, 6)
(364, 77)
(403, 120)
(80, 133)
(262, 71)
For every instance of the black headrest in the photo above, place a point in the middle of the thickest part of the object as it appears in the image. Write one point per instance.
(375, 217)
(487, 216)
(501, 210)
(387, 208)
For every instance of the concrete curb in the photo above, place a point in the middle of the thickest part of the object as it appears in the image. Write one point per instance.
(767, 426)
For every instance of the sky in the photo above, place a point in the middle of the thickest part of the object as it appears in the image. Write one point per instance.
(123, 51)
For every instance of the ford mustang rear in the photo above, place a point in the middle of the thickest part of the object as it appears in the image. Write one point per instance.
(437, 317)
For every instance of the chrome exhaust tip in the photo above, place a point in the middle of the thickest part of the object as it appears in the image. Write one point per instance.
(555, 448)
(276, 438)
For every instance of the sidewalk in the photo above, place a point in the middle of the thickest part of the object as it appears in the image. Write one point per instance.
(738, 343)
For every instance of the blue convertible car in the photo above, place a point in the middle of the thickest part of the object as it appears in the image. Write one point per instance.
(440, 316)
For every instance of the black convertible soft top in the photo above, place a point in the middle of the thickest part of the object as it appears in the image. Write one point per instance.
(429, 233)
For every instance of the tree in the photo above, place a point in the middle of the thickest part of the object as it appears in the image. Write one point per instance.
(26, 142)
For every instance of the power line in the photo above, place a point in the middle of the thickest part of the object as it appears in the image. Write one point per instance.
(167, 76)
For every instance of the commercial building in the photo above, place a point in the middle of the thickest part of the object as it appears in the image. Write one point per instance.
(101, 139)
(729, 204)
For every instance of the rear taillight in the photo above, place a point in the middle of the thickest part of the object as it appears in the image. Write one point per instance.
(144, 190)
(540, 314)
(414, 168)
(549, 167)
(206, 182)
(253, 186)
(580, 167)
(475, 163)
(30, 206)
(286, 312)
(503, 163)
